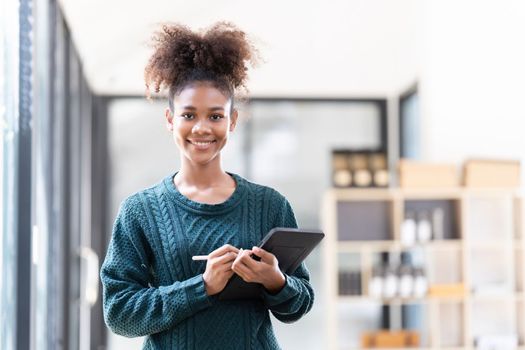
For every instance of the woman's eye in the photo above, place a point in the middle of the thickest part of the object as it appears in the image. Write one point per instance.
(216, 117)
(187, 116)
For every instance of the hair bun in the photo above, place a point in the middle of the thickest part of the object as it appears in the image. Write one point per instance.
(221, 52)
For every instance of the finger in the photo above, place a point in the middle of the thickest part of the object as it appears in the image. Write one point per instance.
(249, 261)
(239, 261)
(244, 272)
(224, 269)
(225, 259)
(223, 250)
(265, 256)
(239, 255)
(246, 257)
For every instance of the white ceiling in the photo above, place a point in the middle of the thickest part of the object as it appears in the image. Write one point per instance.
(316, 48)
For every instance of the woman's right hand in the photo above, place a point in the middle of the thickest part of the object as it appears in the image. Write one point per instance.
(219, 268)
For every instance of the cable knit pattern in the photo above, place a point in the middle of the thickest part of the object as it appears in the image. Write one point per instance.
(152, 288)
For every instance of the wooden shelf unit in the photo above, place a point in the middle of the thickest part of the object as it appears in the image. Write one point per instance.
(478, 235)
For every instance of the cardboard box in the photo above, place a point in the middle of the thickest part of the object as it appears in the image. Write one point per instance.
(387, 339)
(492, 173)
(447, 290)
(390, 339)
(413, 339)
(367, 340)
(415, 174)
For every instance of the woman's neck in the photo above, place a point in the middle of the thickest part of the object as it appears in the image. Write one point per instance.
(208, 184)
(203, 176)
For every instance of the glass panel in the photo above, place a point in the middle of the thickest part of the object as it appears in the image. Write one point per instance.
(355, 320)
(410, 126)
(8, 114)
(494, 319)
(490, 219)
(41, 196)
(291, 144)
(443, 267)
(451, 324)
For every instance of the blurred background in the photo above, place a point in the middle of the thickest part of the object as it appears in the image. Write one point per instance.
(396, 126)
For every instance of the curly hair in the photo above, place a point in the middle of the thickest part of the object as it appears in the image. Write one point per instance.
(218, 55)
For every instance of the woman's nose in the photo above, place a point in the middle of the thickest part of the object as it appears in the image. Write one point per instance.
(201, 126)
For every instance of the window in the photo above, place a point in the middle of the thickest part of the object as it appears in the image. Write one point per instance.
(409, 125)
(9, 64)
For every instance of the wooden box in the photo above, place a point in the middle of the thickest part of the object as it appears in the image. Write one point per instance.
(491, 173)
(415, 174)
(447, 290)
(390, 339)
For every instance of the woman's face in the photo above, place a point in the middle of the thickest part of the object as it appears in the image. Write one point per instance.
(201, 122)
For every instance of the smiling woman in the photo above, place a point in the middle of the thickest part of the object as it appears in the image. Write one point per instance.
(152, 287)
(201, 122)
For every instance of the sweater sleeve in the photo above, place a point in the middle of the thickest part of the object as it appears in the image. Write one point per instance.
(132, 306)
(296, 298)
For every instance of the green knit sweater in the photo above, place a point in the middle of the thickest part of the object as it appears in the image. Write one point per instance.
(153, 288)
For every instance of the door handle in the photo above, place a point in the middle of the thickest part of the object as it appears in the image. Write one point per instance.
(90, 292)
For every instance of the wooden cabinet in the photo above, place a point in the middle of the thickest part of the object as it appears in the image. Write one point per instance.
(473, 264)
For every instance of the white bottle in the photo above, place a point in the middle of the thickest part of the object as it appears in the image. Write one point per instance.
(424, 227)
(420, 283)
(408, 230)
(438, 223)
(375, 286)
(406, 281)
(390, 287)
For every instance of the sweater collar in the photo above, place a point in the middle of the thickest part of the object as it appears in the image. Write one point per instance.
(203, 208)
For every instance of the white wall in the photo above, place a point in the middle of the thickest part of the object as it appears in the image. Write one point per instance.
(472, 82)
(311, 47)
(339, 48)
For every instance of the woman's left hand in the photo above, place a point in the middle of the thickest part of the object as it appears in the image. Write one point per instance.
(266, 271)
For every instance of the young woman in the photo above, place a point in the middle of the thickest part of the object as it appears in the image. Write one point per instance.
(151, 285)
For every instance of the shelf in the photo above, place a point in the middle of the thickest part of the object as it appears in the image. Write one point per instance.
(494, 243)
(496, 297)
(354, 193)
(443, 244)
(357, 299)
(492, 192)
(450, 193)
(448, 299)
(361, 194)
(358, 246)
(391, 193)
(517, 297)
(416, 347)
(433, 299)
(425, 300)
(477, 257)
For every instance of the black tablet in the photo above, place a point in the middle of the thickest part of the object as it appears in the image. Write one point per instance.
(289, 245)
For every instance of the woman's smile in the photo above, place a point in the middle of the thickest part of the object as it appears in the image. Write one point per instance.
(201, 144)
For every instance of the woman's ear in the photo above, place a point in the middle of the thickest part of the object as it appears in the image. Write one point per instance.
(233, 120)
(169, 119)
